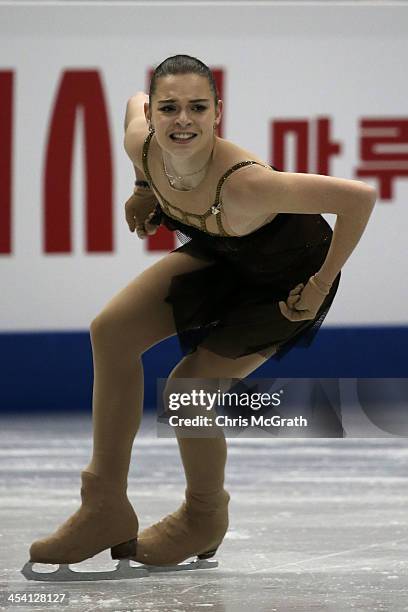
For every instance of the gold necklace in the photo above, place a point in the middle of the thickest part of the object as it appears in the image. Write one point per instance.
(172, 178)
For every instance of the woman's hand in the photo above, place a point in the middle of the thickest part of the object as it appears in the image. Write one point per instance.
(139, 209)
(147, 228)
(303, 302)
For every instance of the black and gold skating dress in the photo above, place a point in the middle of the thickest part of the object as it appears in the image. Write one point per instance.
(231, 306)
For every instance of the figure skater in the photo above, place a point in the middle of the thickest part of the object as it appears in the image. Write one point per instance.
(256, 274)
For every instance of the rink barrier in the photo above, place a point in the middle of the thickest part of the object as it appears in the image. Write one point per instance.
(53, 371)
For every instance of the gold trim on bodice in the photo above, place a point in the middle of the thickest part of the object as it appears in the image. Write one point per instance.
(215, 209)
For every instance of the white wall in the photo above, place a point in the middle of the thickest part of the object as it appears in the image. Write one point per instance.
(280, 63)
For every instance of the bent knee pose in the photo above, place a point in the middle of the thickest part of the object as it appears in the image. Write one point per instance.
(256, 275)
(133, 320)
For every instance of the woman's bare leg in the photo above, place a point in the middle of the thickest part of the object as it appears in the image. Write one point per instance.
(133, 320)
(200, 524)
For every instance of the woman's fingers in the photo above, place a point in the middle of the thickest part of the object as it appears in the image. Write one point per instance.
(143, 229)
(292, 300)
(294, 295)
(129, 214)
(290, 308)
(287, 312)
(294, 315)
(130, 220)
(297, 289)
(303, 302)
(149, 229)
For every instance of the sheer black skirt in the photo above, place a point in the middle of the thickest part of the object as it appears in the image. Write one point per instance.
(231, 306)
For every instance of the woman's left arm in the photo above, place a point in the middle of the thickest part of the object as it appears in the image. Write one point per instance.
(347, 232)
(291, 192)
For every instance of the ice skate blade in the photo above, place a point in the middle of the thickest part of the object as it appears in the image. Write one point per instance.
(64, 574)
(122, 571)
(181, 567)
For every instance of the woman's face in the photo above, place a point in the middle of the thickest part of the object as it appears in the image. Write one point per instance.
(183, 103)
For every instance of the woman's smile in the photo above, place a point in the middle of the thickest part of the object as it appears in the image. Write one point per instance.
(183, 138)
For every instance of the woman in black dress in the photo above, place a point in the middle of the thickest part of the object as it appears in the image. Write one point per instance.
(256, 275)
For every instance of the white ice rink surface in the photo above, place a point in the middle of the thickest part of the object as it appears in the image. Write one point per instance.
(315, 524)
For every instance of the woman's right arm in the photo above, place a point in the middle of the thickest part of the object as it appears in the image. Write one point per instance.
(135, 108)
(136, 130)
(141, 205)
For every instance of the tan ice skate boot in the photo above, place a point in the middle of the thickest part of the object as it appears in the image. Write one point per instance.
(105, 519)
(200, 523)
(195, 529)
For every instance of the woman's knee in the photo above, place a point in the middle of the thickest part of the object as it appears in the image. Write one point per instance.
(100, 325)
(107, 330)
(136, 331)
(200, 375)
